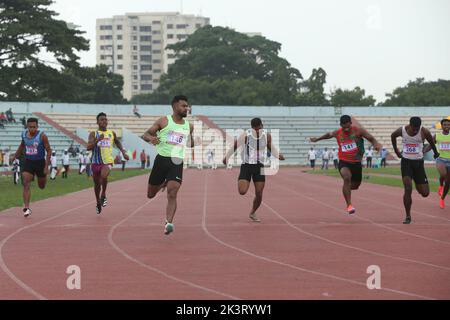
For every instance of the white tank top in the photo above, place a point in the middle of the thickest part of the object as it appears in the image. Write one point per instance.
(255, 149)
(412, 146)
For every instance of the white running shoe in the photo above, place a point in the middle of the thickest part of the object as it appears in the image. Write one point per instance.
(254, 217)
(26, 212)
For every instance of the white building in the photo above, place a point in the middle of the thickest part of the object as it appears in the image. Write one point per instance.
(133, 45)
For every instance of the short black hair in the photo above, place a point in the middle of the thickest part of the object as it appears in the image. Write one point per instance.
(32, 120)
(256, 122)
(444, 120)
(101, 114)
(178, 98)
(345, 119)
(415, 122)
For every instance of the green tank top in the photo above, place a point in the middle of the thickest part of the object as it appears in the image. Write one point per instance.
(443, 145)
(173, 139)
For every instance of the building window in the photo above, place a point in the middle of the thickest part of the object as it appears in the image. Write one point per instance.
(156, 32)
(105, 27)
(119, 47)
(102, 57)
(146, 67)
(135, 77)
(156, 61)
(155, 80)
(134, 28)
(105, 37)
(119, 27)
(119, 67)
(146, 38)
(134, 38)
(146, 48)
(156, 41)
(171, 56)
(145, 28)
(135, 87)
(146, 87)
(119, 37)
(135, 57)
(135, 48)
(170, 26)
(181, 26)
(119, 57)
(156, 51)
(135, 67)
(146, 77)
(198, 25)
(181, 36)
(170, 36)
(156, 22)
(157, 71)
(146, 58)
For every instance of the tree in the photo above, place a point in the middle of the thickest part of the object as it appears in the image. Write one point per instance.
(312, 91)
(214, 60)
(28, 32)
(355, 97)
(420, 93)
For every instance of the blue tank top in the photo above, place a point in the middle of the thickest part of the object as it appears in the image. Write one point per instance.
(34, 147)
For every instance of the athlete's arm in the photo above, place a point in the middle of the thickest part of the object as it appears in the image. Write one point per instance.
(151, 134)
(428, 147)
(119, 145)
(273, 150)
(397, 133)
(327, 135)
(92, 141)
(364, 133)
(237, 143)
(430, 139)
(19, 151)
(49, 151)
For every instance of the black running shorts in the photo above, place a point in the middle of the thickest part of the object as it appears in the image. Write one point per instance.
(414, 169)
(165, 169)
(355, 168)
(251, 171)
(35, 167)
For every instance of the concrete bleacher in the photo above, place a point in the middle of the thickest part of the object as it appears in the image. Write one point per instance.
(10, 137)
(381, 127)
(294, 133)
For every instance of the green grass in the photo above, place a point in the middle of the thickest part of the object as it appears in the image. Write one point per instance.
(392, 178)
(11, 194)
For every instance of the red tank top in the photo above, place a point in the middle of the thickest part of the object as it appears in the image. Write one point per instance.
(351, 147)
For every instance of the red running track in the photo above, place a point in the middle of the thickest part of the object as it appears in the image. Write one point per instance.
(306, 246)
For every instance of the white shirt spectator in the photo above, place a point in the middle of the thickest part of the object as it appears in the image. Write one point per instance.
(326, 155)
(66, 160)
(53, 162)
(86, 159)
(335, 155)
(6, 158)
(80, 158)
(312, 155)
(369, 153)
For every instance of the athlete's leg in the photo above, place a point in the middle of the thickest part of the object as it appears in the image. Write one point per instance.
(407, 199)
(104, 179)
(259, 188)
(153, 190)
(42, 181)
(27, 178)
(346, 175)
(172, 191)
(243, 186)
(446, 185)
(442, 169)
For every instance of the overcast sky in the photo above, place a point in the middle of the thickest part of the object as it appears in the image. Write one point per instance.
(375, 44)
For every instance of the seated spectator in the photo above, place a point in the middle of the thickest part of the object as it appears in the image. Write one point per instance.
(136, 111)
(24, 121)
(10, 116)
(3, 118)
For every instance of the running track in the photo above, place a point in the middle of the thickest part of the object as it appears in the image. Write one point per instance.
(306, 246)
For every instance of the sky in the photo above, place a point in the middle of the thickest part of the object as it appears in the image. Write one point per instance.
(378, 45)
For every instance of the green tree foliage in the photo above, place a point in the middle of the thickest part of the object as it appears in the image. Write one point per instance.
(355, 97)
(217, 66)
(312, 91)
(420, 93)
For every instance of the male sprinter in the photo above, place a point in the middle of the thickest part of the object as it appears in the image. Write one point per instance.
(351, 151)
(442, 141)
(101, 143)
(35, 144)
(170, 135)
(412, 163)
(256, 142)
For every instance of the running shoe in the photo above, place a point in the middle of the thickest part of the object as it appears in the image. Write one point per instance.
(351, 209)
(407, 220)
(254, 217)
(26, 212)
(441, 203)
(98, 208)
(440, 191)
(103, 201)
(168, 228)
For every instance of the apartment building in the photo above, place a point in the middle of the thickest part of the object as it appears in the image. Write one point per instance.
(134, 46)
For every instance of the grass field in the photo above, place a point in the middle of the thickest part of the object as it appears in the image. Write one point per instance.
(11, 194)
(384, 176)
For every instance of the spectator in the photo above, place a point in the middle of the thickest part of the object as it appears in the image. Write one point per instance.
(1, 158)
(335, 158)
(65, 162)
(136, 111)
(87, 164)
(384, 154)
(2, 126)
(122, 160)
(369, 155)
(53, 166)
(80, 162)
(6, 157)
(325, 158)
(148, 161)
(143, 159)
(10, 116)
(3, 119)
(312, 157)
(24, 121)
(16, 171)
(71, 150)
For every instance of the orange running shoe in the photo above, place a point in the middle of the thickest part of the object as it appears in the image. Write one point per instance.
(441, 203)
(351, 209)
(440, 191)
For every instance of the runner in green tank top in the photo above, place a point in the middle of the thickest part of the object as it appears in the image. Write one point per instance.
(170, 135)
(442, 141)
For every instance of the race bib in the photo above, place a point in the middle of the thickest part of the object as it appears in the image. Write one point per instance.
(105, 143)
(349, 146)
(411, 149)
(31, 150)
(175, 138)
(444, 146)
